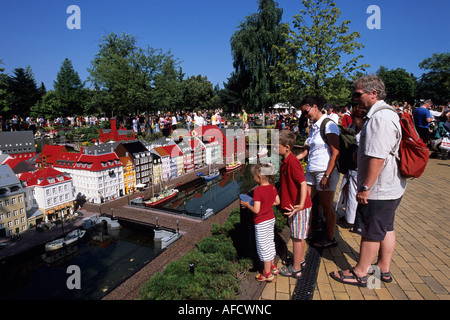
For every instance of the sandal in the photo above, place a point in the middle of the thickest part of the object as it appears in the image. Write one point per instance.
(290, 272)
(261, 277)
(385, 275)
(275, 270)
(326, 243)
(360, 281)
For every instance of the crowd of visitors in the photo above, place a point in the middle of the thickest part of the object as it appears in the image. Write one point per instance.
(370, 193)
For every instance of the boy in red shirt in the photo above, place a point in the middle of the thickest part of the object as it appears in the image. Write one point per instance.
(295, 202)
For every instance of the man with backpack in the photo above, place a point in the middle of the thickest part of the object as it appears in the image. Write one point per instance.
(380, 183)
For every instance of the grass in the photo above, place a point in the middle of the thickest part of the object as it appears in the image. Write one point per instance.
(217, 272)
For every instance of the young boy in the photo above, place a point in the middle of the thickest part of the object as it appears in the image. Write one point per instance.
(295, 202)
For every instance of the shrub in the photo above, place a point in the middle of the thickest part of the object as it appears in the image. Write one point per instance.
(217, 270)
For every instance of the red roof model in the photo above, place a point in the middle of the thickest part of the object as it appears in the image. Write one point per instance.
(98, 162)
(88, 162)
(45, 177)
(49, 154)
(173, 150)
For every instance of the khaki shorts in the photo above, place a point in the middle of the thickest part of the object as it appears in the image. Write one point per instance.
(313, 179)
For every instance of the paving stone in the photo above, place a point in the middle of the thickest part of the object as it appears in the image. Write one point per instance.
(425, 291)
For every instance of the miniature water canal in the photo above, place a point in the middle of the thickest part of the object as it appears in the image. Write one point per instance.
(200, 199)
(106, 260)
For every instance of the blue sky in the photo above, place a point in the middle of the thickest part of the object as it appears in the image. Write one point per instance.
(198, 32)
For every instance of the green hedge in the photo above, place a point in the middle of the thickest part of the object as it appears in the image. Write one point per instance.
(217, 268)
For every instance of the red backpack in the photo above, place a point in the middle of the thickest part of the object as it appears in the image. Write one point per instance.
(413, 152)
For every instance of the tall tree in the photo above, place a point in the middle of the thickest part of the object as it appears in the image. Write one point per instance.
(4, 99)
(111, 71)
(253, 50)
(435, 83)
(49, 107)
(198, 92)
(127, 73)
(167, 90)
(23, 92)
(69, 90)
(400, 85)
(317, 52)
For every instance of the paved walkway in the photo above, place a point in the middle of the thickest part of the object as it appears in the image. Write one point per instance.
(420, 264)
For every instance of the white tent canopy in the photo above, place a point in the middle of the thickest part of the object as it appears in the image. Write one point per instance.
(287, 106)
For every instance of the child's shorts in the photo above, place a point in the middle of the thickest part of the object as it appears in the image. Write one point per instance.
(298, 224)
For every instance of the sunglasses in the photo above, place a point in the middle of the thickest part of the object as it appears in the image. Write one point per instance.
(357, 94)
(307, 110)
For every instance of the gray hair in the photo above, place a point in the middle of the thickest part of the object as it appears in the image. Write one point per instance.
(370, 83)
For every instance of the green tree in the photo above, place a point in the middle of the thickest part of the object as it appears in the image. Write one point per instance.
(69, 90)
(4, 99)
(400, 85)
(435, 83)
(23, 92)
(198, 92)
(231, 95)
(167, 90)
(127, 74)
(112, 71)
(253, 49)
(319, 51)
(49, 107)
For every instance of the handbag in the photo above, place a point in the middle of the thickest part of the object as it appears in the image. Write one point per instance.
(445, 144)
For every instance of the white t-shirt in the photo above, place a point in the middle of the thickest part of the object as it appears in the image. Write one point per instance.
(319, 152)
(198, 120)
(334, 116)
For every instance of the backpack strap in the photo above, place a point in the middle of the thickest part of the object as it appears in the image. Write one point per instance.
(322, 129)
(397, 146)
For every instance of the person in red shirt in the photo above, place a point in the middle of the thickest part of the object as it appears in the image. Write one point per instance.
(265, 197)
(345, 118)
(295, 202)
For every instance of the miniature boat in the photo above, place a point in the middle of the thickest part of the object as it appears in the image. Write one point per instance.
(233, 166)
(71, 237)
(164, 196)
(137, 200)
(211, 176)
